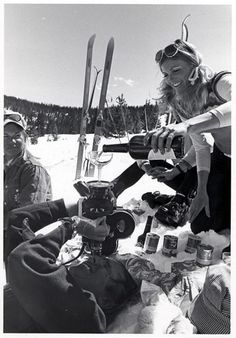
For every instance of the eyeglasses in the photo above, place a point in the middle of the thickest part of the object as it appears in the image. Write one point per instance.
(172, 49)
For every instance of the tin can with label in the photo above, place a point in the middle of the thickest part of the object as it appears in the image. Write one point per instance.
(170, 246)
(204, 254)
(151, 243)
(192, 243)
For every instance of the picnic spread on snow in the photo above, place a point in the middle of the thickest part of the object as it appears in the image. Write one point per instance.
(158, 269)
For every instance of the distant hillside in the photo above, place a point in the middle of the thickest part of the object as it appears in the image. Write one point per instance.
(53, 119)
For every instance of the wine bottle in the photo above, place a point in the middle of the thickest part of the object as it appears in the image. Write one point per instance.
(139, 151)
(141, 238)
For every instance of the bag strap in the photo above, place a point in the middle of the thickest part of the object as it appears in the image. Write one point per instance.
(213, 84)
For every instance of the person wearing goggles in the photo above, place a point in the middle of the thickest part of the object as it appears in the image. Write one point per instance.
(199, 101)
(26, 181)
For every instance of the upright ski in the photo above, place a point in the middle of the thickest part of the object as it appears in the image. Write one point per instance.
(86, 160)
(102, 101)
(83, 124)
(94, 86)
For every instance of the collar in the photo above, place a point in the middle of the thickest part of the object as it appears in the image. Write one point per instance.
(15, 161)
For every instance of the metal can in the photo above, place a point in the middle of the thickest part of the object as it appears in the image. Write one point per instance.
(151, 243)
(170, 246)
(192, 243)
(204, 254)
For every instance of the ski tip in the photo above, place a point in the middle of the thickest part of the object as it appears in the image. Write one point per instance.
(92, 38)
(111, 40)
(110, 45)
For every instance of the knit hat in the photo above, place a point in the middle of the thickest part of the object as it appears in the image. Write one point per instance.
(210, 311)
(14, 117)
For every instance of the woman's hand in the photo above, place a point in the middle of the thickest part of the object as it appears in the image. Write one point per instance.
(201, 201)
(167, 175)
(161, 138)
(154, 171)
(163, 174)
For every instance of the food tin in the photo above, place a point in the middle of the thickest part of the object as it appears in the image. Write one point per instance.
(192, 243)
(204, 254)
(151, 243)
(170, 246)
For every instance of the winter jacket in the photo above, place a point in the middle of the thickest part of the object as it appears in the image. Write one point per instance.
(26, 181)
(45, 290)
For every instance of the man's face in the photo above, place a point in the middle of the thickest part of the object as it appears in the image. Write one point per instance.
(14, 139)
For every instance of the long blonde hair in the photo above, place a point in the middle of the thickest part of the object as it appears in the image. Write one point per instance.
(194, 99)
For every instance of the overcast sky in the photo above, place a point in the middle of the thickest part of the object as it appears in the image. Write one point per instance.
(45, 47)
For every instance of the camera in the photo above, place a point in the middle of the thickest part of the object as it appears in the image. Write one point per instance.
(99, 200)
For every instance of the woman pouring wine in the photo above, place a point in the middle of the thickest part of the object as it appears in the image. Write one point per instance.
(200, 99)
(201, 102)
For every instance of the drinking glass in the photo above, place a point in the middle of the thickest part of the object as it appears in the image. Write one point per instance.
(99, 159)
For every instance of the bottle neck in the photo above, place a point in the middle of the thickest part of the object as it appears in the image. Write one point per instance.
(148, 224)
(116, 148)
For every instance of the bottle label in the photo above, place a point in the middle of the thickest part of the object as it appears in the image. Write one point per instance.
(170, 155)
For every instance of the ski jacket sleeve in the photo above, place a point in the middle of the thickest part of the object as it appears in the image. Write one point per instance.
(25, 221)
(203, 152)
(190, 156)
(199, 152)
(223, 112)
(47, 292)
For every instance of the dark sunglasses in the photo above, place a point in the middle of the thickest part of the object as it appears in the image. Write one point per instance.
(172, 49)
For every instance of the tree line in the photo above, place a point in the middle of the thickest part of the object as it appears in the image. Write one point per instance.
(118, 117)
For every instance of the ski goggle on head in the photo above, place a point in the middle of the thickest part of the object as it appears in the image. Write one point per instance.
(16, 118)
(178, 46)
